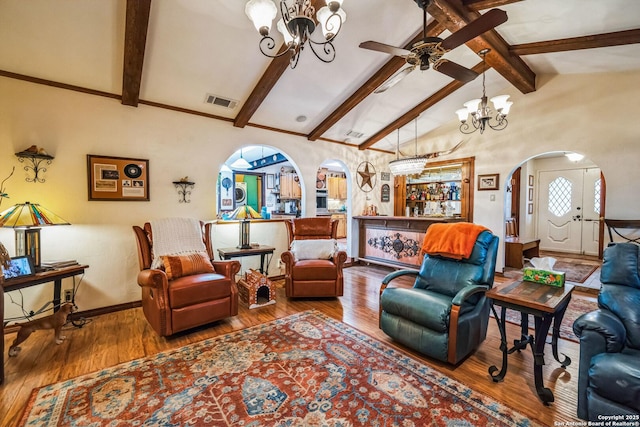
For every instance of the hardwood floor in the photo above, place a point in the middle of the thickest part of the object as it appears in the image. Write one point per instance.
(119, 337)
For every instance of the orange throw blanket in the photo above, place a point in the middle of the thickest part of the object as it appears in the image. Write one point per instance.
(454, 240)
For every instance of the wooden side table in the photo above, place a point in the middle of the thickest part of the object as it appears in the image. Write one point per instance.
(516, 249)
(54, 276)
(545, 303)
(228, 253)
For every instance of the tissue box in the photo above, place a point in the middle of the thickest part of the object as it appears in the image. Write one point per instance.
(552, 278)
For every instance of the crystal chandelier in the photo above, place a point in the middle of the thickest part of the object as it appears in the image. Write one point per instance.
(297, 25)
(481, 112)
(408, 165)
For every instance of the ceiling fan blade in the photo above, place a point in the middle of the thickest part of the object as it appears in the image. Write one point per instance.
(484, 23)
(393, 80)
(455, 71)
(381, 47)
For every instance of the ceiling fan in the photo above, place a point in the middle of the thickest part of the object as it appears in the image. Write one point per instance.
(428, 52)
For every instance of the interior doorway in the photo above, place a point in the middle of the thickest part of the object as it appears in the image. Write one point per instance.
(560, 201)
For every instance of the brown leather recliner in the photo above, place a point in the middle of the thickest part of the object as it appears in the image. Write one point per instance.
(313, 277)
(185, 302)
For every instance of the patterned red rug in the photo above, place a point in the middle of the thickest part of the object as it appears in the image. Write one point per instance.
(302, 370)
(574, 272)
(577, 307)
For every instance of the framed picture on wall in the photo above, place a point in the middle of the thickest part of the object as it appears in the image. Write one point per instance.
(385, 193)
(530, 208)
(271, 181)
(488, 182)
(117, 178)
(531, 194)
(530, 180)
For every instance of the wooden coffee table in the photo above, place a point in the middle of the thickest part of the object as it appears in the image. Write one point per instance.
(545, 303)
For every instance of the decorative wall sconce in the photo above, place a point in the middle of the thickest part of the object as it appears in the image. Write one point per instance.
(184, 187)
(35, 156)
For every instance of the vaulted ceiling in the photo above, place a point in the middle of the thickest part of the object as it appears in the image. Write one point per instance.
(174, 54)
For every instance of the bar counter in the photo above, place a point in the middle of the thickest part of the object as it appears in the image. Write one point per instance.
(394, 241)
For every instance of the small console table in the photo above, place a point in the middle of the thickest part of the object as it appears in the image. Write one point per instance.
(545, 303)
(517, 248)
(54, 276)
(228, 253)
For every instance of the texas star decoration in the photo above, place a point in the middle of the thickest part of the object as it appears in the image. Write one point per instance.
(367, 174)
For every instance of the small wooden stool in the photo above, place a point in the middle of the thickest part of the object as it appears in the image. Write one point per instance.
(256, 290)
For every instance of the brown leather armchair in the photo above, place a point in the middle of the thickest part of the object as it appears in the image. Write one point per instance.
(320, 277)
(185, 302)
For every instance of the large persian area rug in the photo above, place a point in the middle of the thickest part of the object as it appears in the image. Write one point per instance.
(302, 370)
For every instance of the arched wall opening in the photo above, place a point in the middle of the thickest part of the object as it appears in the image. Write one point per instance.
(557, 200)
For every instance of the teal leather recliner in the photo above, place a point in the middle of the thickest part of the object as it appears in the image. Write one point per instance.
(609, 370)
(445, 315)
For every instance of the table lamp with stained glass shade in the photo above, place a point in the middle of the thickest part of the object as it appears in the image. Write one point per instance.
(244, 213)
(27, 219)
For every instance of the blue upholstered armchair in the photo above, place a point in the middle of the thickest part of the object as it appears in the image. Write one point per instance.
(445, 314)
(609, 371)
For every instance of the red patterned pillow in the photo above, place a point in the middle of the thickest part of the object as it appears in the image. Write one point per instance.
(185, 265)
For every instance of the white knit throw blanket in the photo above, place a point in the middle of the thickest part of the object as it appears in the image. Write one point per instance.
(175, 236)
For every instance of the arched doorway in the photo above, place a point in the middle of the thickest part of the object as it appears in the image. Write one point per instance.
(332, 196)
(262, 178)
(560, 201)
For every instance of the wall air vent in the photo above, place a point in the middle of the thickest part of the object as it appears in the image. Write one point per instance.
(355, 134)
(220, 101)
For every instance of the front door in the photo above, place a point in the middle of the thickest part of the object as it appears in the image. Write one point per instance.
(569, 203)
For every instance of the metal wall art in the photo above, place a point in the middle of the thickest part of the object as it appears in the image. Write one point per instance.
(396, 245)
(184, 187)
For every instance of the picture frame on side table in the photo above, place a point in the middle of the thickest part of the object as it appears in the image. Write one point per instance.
(117, 178)
(488, 182)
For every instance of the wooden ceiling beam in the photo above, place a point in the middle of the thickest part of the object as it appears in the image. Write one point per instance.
(274, 72)
(135, 40)
(513, 68)
(617, 38)
(417, 110)
(479, 5)
(381, 76)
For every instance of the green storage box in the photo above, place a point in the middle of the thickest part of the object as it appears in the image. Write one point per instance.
(551, 278)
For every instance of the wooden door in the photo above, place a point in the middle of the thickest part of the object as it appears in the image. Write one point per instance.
(515, 196)
(592, 193)
(399, 195)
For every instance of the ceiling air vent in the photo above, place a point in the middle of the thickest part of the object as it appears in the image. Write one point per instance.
(220, 101)
(355, 134)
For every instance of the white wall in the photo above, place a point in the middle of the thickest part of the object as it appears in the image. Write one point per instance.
(70, 125)
(590, 114)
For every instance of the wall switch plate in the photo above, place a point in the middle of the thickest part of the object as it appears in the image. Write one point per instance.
(492, 197)
(68, 296)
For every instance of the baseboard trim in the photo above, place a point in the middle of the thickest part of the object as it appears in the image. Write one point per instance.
(87, 313)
